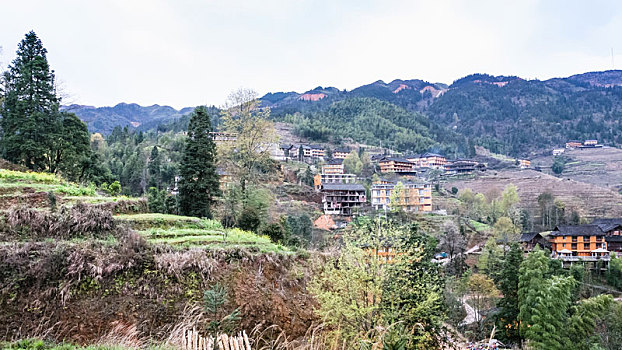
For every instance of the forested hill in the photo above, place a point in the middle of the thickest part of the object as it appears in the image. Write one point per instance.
(514, 116)
(506, 114)
(104, 119)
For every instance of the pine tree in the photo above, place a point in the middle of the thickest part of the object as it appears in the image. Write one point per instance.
(199, 183)
(35, 133)
(154, 168)
(30, 123)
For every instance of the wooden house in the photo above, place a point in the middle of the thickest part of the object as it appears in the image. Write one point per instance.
(341, 153)
(334, 166)
(342, 199)
(395, 165)
(613, 233)
(583, 241)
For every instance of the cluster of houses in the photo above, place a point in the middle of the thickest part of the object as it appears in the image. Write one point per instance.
(580, 243)
(341, 195)
(411, 164)
(573, 144)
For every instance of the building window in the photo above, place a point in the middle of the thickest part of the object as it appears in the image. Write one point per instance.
(586, 246)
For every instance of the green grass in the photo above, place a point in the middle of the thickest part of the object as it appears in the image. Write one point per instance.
(480, 226)
(59, 188)
(213, 239)
(14, 176)
(165, 221)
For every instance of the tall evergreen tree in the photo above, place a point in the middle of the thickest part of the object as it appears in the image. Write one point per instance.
(154, 168)
(199, 183)
(31, 122)
(507, 319)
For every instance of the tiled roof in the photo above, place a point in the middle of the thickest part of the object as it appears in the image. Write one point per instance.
(577, 230)
(395, 159)
(608, 224)
(335, 162)
(429, 154)
(526, 237)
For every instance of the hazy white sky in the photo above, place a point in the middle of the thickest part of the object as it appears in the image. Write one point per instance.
(185, 53)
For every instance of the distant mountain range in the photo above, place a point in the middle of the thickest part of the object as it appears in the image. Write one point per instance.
(104, 119)
(506, 114)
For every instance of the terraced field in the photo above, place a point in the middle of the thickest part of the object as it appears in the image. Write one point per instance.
(32, 189)
(598, 166)
(589, 200)
(185, 231)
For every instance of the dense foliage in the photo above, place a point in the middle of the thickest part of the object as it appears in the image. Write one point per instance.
(516, 116)
(34, 132)
(375, 122)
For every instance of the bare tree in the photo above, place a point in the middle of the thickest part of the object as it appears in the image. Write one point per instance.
(452, 241)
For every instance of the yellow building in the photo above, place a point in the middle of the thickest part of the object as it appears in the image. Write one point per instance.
(428, 160)
(334, 166)
(340, 153)
(414, 197)
(395, 165)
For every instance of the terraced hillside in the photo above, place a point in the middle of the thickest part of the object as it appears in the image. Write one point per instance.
(598, 166)
(589, 200)
(91, 265)
(41, 190)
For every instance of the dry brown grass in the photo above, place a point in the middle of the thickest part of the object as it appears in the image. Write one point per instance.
(78, 221)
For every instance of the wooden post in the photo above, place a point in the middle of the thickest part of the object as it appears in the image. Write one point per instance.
(246, 342)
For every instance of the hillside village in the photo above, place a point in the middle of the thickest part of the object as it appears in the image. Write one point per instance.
(323, 220)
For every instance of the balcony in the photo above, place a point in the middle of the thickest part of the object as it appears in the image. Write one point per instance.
(584, 258)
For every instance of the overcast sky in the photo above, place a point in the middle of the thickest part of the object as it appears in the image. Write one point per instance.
(186, 53)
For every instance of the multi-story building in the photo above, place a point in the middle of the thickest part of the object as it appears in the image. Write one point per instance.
(416, 197)
(334, 166)
(428, 160)
(582, 241)
(573, 144)
(320, 179)
(342, 199)
(395, 165)
(341, 153)
(463, 166)
(313, 151)
(613, 233)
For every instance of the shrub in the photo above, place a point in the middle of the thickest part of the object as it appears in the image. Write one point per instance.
(114, 189)
(275, 231)
(249, 219)
(454, 190)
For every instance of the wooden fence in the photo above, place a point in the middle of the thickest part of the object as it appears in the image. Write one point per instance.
(192, 340)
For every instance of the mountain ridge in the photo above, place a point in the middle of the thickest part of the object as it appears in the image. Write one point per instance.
(506, 114)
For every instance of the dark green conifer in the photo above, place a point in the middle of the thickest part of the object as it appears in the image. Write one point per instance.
(30, 110)
(199, 183)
